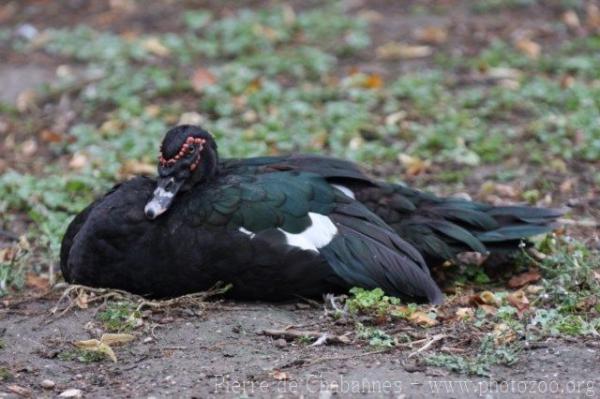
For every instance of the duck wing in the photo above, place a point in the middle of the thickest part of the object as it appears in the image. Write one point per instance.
(327, 167)
(307, 213)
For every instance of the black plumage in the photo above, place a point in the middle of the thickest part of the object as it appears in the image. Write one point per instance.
(276, 227)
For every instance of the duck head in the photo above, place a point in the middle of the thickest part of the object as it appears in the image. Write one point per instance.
(188, 155)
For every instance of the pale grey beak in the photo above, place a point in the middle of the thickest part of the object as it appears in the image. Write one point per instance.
(164, 193)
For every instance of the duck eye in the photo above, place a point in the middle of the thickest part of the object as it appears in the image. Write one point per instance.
(191, 149)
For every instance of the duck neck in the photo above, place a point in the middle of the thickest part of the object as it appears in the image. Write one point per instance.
(208, 168)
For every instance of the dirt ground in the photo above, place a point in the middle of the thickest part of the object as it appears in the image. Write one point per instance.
(219, 350)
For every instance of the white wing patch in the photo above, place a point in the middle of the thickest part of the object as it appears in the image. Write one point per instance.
(320, 233)
(317, 235)
(345, 190)
(247, 232)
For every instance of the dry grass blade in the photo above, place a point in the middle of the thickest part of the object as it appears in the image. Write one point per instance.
(73, 297)
(433, 340)
(320, 337)
(104, 344)
(116, 339)
(93, 345)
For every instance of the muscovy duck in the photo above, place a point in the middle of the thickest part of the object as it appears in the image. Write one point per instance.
(276, 228)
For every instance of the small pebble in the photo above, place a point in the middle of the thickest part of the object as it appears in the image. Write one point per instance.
(280, 343)
(48, 384)
(71, 393)
(27, 31)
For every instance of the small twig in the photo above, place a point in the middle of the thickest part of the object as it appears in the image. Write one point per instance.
(311, 302)
(452, 349)
(327, 359)
(322, 340)
(51, 275)
(411, 343)
(173, 348)
(298, 326)
(534, 345)
(434, 339)
(104, 294)
(293, 334)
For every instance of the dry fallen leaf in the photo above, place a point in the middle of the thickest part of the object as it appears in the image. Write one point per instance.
(488, 309)
(587, 303)
(111, 126)
(465, 313)
(116, 339)
(289, 15)
(190, 118)
(373, 81)
(510, 84)
(523, 279)
(519, 300)
(93, 345)
(528, 47)
(6, 254)
(133, 167)
(534, 289)
(504, 73)
(370, 16)
(78, 161)
(82, 300)
(280, 375)
(414, 165)
(153, 45)
(8, 11)
(32, 280)
(51, 137)
(356, 143)
(152, 110)
(29, 147)
(593, 16)
(394, 50)
(488, 298)
(567, 81)
(26, 100)
(393, 118)
(250, 116)
(422, 319)
(267, 32)
(503, 334)
(104, 344)
(571, 19)
(431, 35)
(253, 87)
(503, 190)
(201, 79)
(471, 258)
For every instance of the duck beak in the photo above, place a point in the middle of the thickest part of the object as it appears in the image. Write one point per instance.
(164, 193)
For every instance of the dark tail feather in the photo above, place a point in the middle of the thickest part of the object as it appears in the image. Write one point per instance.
(440, 228)
(516, 223)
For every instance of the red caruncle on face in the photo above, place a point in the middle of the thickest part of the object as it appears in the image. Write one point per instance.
(186, 147)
